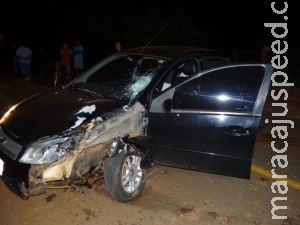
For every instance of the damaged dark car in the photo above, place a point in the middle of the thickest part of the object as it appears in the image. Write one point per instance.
(183, 107)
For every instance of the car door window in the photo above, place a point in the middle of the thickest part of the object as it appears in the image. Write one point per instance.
(213, 62)
(234, 89)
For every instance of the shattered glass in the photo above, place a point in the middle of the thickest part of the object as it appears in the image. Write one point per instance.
(120, 77)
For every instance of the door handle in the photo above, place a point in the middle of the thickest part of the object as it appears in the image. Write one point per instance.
(237, 131)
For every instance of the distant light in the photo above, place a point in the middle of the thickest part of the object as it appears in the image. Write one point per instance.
(223, 97)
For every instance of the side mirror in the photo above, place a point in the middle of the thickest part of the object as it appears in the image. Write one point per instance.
(167, 106)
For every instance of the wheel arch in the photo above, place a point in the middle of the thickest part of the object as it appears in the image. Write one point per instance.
(137, 145)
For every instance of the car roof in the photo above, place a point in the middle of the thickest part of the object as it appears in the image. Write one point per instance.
(169, 52)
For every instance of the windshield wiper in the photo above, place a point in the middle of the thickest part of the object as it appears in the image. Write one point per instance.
(92, 92)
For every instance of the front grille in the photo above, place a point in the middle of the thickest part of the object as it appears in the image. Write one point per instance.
(8, 146)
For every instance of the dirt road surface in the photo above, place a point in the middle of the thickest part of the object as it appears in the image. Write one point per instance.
(171, 195)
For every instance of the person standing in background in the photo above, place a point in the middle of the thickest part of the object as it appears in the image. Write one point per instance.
(66, 58)
(78, 58)
(118, 46)
(24, 54)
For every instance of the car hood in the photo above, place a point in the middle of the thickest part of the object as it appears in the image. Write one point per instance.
(53, 112)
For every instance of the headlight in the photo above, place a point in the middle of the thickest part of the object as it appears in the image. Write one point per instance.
(47, 151)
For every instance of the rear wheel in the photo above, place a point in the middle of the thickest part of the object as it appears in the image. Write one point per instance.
(123, 176)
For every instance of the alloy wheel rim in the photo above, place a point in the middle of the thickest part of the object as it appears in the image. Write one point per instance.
(131, 174)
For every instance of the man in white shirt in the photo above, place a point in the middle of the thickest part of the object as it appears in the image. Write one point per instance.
(24, 55)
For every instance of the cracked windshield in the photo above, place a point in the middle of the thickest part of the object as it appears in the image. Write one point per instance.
(120, 76)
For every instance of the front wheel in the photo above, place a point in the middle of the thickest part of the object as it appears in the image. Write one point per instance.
(123, 177)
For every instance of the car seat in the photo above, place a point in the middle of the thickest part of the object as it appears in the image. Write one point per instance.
(185, 70)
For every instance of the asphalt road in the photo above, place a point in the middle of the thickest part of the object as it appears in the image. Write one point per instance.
(171, 196)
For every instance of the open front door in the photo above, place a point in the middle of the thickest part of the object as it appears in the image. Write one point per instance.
(210, 121)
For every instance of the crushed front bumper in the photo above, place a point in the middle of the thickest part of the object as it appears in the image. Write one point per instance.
(15, 176)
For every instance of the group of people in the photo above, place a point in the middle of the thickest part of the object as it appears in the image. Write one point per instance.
(77, 53)
(74, 55)
(22, 59)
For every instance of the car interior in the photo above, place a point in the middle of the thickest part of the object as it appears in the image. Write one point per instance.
(178, 74)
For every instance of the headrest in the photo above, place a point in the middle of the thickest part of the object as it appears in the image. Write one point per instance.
(189, 68)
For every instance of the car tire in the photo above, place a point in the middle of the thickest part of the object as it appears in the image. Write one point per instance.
(124, 179)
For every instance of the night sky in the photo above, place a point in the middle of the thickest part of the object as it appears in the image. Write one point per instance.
(98, 24)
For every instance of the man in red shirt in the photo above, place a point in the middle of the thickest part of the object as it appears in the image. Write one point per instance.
(66, 58)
